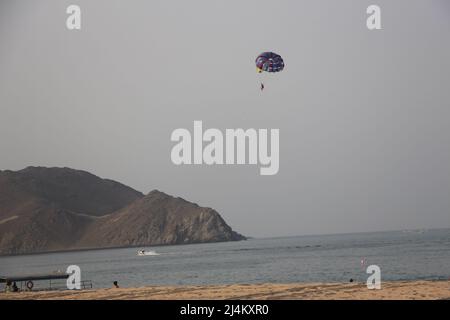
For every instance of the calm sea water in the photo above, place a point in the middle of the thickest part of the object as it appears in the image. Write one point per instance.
(325, 258)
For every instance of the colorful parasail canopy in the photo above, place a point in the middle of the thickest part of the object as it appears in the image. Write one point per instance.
(269, 62)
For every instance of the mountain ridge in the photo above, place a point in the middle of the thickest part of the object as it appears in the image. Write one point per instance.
(57, 209)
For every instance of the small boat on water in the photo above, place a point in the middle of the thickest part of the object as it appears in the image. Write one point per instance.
(147, 253)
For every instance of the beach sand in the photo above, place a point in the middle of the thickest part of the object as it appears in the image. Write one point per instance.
(311, 291)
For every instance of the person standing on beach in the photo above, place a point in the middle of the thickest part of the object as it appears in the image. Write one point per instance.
(116, 285)
(8, 286)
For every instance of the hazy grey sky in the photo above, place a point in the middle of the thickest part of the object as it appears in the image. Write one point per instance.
(364, 116)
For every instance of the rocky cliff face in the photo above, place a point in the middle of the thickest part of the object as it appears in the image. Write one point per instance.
(159, 219)
(47, 209)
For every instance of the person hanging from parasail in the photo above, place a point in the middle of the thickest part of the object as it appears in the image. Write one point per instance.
(269, 62)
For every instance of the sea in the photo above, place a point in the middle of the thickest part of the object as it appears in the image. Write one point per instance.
(400, 255)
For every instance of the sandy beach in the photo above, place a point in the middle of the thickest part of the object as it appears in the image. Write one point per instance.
(398, 290)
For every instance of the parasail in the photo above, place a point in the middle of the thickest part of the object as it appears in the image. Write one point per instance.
(269, 62)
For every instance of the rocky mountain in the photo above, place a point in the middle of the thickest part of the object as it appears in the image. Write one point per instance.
(159, 219)
(48, 209)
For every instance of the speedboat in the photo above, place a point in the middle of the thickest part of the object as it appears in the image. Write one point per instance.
(147, 253)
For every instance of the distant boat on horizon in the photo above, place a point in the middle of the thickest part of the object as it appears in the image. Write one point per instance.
(420, 231)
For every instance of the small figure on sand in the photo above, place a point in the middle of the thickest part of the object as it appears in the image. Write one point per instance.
(115, 284)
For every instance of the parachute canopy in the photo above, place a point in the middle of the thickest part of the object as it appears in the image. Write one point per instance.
(269, 62)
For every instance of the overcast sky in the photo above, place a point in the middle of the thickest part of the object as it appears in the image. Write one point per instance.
(364, 116)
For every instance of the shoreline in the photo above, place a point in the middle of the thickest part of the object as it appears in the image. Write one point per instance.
(391, 290)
